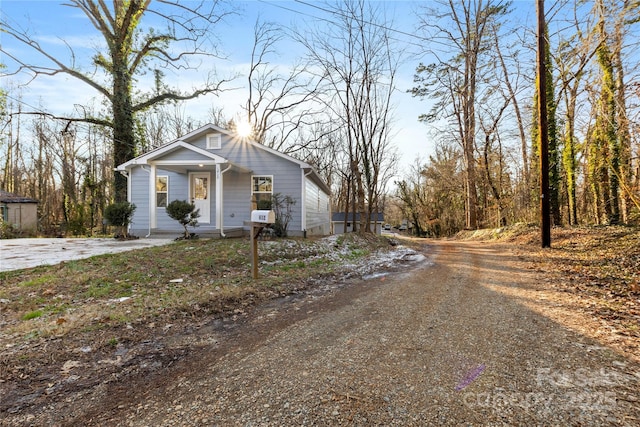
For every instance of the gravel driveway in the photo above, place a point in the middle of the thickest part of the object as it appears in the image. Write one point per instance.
(465, 339)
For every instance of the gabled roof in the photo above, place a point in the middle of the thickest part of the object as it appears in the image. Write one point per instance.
(183, 142)
(214, 128)
(6, 197)
(313, 174)
(339, 216)
(208, 127)
(169, 148)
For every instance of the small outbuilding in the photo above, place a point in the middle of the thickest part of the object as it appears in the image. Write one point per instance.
(338, 220)
(18, 211)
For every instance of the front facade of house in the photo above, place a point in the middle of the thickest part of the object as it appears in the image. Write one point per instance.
(19, 212)
(224, 177)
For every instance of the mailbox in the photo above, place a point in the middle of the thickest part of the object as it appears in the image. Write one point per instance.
(264, 217)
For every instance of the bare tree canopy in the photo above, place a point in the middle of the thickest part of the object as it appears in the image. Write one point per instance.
(331, 83)
(132, 48)
(464, 27)
(358, 62)
(278, 105)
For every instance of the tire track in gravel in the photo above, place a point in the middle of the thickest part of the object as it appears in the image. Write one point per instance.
(437, 345)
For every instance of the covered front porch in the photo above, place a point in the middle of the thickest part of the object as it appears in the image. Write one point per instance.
(185, 172)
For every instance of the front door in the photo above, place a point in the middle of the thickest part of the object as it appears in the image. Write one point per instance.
(200, 184)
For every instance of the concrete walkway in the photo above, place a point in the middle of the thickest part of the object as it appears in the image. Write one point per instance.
(16, 254)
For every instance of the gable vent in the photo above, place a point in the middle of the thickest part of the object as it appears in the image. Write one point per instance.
(214, 141)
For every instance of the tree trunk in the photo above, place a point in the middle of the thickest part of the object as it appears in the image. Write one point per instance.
(607, 139)
(524, 146)
(624, 167)
(470, 134)
(123, 125)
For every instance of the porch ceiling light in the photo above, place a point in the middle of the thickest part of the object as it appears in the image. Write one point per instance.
(200, 165)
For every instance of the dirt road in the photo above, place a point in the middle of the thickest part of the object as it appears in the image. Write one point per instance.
(464, 338)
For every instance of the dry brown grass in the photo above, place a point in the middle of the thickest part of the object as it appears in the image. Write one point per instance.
(598, 268)
(184, 279)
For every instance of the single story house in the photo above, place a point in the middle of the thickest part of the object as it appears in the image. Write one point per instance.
(337, 222)
(19, 212)
(224, 176)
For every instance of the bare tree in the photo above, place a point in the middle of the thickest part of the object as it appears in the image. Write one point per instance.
(464, 27)
(164, 123)
(489, 123)
(356, 59)
(573, 55)
(414, 195)
(432, 193)
(130, 52)
(510, 77)
(277, 106)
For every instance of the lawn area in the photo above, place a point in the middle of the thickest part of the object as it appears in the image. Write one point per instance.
(184, 279)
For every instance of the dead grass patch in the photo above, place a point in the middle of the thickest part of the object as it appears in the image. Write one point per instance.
(188, 278)
(597, 268)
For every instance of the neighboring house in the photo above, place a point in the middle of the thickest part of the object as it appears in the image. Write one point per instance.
(224, 176)
(19, 212)
(337, 222)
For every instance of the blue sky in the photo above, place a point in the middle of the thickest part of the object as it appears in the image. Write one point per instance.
(55, 24)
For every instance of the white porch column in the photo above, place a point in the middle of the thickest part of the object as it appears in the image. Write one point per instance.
(152, 197)
(219, 200)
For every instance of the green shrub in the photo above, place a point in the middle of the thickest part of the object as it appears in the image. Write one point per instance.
(185, 213)
(264, 205)
(120, 215)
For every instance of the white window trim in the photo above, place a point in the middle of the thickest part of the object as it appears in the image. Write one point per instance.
(214, 141)
(261, 192)
(155, 188)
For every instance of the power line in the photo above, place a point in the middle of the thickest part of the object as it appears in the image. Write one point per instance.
(375, 24)
(338, 12)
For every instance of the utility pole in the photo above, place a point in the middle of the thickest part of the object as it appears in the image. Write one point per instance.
(545, 211)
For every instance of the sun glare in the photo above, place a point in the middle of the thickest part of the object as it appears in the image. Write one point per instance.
(244, 129)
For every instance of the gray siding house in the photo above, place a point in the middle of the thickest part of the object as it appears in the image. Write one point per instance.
(224, 176)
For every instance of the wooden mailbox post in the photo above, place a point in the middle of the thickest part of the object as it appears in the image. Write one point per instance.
(259, 220)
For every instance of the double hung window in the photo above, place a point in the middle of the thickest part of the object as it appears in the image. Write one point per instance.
(262, 189)
(162, 191)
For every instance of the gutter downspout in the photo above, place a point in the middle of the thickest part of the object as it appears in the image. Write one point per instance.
(304, 201)
(220, 198)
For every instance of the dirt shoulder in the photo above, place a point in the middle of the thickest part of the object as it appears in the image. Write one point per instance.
(468, 335)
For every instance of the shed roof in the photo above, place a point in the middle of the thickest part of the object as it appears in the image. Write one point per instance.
(6, 197)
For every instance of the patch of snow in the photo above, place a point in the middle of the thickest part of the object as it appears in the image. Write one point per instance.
(16, 254)
(374, 276)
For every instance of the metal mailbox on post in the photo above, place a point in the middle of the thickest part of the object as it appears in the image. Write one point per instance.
(263, 217)
(259, 220)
